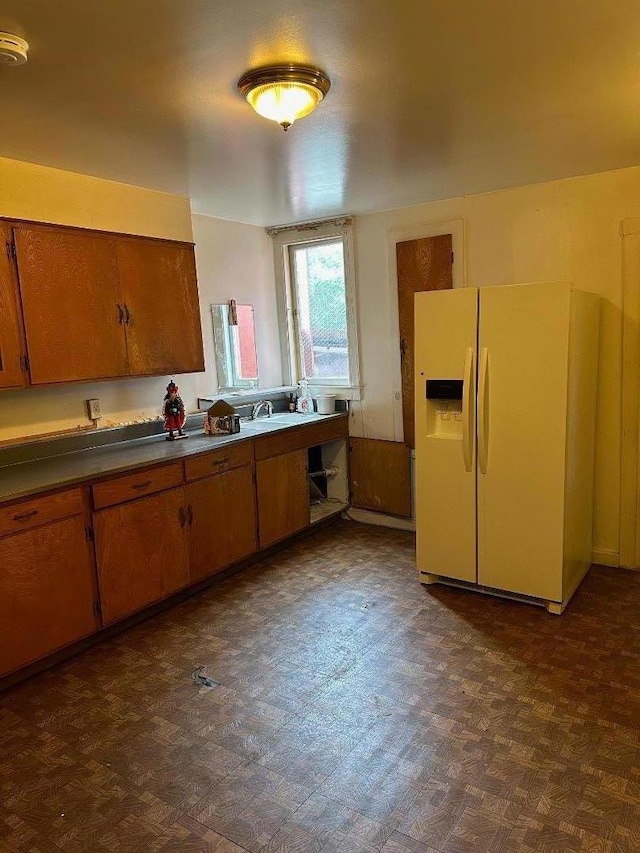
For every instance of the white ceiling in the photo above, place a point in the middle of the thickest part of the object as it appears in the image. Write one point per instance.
(430, 98)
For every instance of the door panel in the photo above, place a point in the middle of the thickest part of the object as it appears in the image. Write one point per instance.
(422, 264)
(70, 297)
(46, 592)
(11, 338)
(159, 288)
(283, 496)
(446, 330)
(380, 473)
(141, 550)
(223, 529)
(524, 330)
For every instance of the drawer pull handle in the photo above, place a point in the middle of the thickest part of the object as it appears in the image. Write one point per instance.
(144, 485)
(25, 515)
(220, 462)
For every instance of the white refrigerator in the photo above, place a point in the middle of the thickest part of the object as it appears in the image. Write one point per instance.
(505, 426)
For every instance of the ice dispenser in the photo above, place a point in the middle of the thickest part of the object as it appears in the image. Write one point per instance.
(444, 407)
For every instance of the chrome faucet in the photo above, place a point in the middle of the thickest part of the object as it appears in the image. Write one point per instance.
(257, 408)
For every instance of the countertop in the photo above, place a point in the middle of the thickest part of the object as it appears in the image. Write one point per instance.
(29, 478)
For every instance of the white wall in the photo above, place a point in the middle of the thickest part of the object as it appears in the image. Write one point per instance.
(236, 262)
(566, 230)
(232, 260)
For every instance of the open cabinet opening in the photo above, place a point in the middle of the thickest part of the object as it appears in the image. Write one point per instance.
(328, 482)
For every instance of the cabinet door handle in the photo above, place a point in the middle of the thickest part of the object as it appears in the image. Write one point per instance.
(144, 485)
(182, 516)
(25, 515)
(190, 515)
(127, 315)
(120, 315)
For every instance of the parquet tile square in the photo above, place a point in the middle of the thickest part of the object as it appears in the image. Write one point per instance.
(357, 712)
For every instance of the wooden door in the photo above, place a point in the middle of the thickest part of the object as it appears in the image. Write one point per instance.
(158, 280)
(70, 301)
(141, 549)
(12, 346)
(380, 474)
(423, 264)
(283, 496)
(222, 513)
(46, 592)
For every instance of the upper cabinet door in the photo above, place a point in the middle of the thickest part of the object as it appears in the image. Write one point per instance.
(160, 293)
(71, 304)
(11, 343)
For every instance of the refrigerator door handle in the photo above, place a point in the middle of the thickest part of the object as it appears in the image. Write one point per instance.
(483, 443)
(467, 411)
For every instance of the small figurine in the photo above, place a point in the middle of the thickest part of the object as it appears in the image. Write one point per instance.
(173, 412)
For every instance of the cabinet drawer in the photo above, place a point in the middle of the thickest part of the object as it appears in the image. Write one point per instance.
(31, 513)
(224, 459)
(136, 485)
(298, 438)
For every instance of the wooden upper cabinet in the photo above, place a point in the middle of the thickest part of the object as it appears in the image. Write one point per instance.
(96, 306)
(71, 304)
(11, 341)
(160, 292)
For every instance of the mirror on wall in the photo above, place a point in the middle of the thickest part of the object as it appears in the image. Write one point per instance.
(234, 341)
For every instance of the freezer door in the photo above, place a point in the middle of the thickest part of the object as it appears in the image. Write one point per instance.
(445, 358)
(522, 405)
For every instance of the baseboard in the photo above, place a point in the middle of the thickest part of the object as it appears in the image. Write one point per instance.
(605, 557)
(365, 516)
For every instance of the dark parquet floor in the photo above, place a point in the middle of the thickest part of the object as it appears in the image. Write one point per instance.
(357, 712)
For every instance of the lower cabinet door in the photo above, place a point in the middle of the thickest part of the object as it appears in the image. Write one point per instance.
(222, 512)
(47, 590)
(141, 550)
(283, 496)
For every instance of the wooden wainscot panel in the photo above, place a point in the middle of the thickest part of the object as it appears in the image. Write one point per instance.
(306, 435)
(42, 510)
(218, 461)
(380, 475)
(136, 485)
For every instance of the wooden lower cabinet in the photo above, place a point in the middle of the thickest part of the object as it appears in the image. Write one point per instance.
(141, 551)
(47, 591)
(222, 515)
(283, 496)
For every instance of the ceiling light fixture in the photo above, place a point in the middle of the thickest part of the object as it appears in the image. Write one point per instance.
(284, 93)
(13, 49)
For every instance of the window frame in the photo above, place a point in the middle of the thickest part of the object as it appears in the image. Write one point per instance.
(306, 234)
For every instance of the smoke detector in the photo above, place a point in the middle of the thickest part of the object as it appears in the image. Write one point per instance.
(13, 49)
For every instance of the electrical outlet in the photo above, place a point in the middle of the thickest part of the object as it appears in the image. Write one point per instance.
(94, 409)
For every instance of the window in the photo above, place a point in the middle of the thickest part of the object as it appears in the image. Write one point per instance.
(234, 345)
(314, 271)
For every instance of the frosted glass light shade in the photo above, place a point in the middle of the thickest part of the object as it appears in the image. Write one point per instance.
(284, 93)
